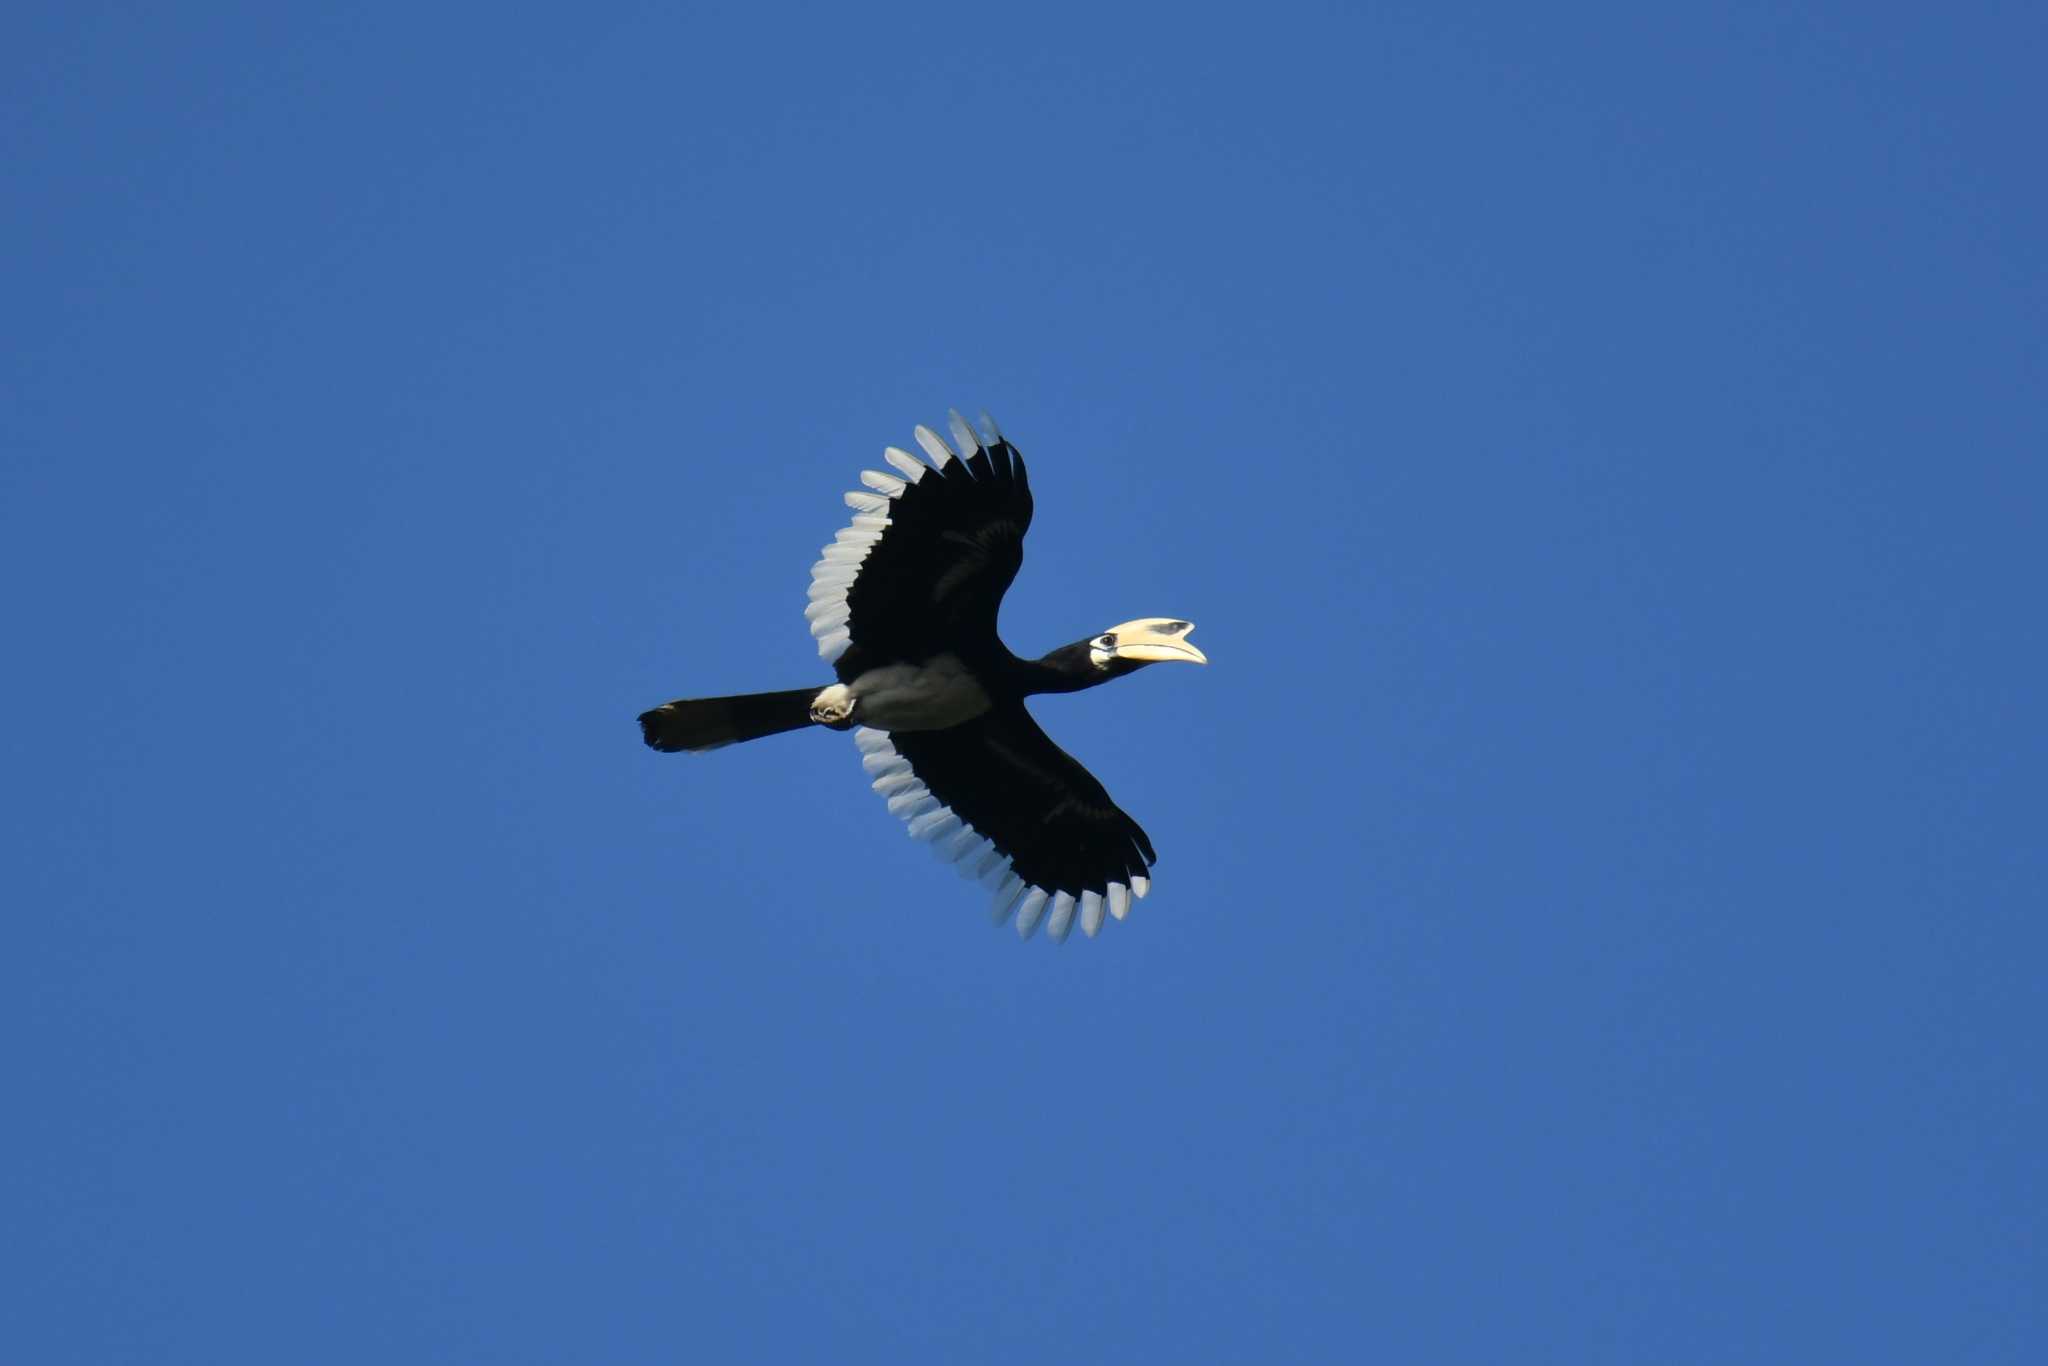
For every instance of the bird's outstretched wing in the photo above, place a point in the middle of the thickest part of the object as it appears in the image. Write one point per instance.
(1015, 810)
(931, 550)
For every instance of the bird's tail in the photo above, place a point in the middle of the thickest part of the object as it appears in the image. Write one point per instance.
(701, 723)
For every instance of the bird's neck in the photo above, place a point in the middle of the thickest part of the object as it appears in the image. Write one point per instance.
(1064, 670)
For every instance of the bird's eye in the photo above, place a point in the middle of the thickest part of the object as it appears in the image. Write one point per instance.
(1107, 640)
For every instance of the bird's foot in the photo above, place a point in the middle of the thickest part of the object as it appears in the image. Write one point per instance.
(834, 707)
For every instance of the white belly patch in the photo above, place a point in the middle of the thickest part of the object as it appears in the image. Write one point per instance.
(930, 696)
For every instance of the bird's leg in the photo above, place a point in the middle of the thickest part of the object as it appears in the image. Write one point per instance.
(834, 707)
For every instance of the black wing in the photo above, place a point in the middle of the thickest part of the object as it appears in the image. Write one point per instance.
(1017, 811)
(923, 568)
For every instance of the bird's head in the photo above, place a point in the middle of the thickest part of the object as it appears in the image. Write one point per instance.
(1148, 640)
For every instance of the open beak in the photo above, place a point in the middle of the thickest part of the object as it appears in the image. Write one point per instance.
(1156, 640)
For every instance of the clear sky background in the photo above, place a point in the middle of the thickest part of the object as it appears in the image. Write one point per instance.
(1599, 914)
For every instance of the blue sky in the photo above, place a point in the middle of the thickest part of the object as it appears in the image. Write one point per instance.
(1598, 916)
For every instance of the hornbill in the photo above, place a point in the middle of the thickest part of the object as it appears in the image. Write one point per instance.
(903, 604)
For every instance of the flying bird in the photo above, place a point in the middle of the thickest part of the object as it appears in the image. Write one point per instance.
(903, 605)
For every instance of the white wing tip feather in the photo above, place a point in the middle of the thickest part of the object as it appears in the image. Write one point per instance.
(963, 435)
(1006, 899)
(949, 847)
(1119, 900)
(934, 445)
(1030, 910)
(904, 463)
(1061, 922)
(934, 824)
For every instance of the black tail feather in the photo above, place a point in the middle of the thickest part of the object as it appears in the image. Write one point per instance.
(700, 723)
